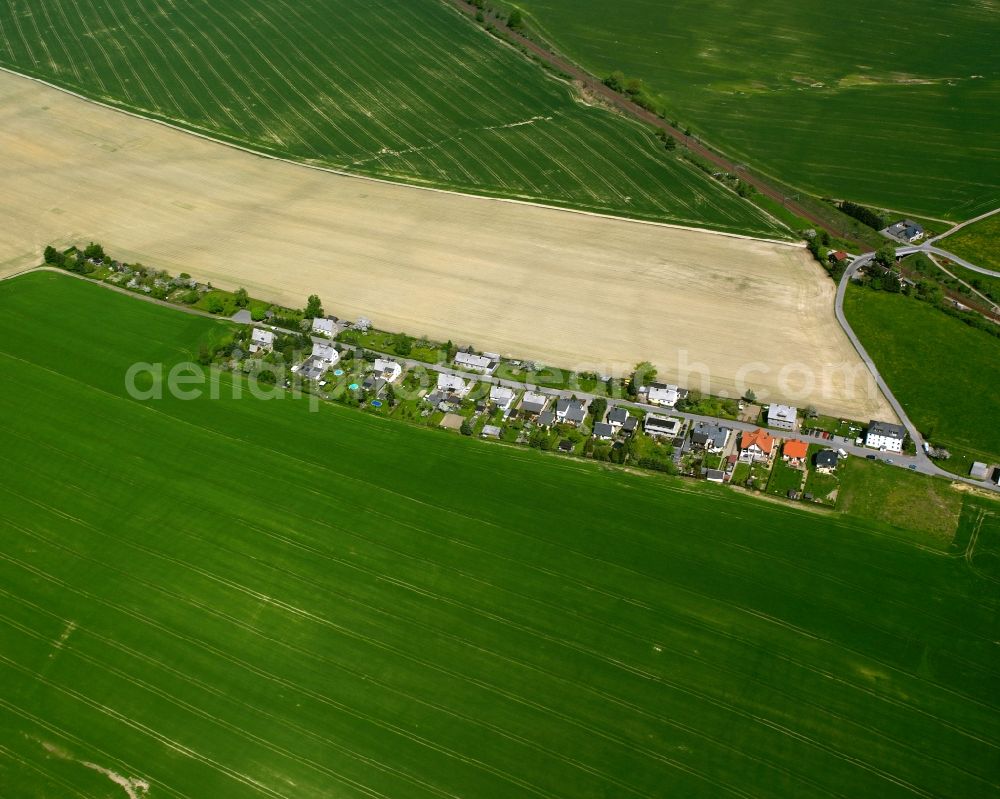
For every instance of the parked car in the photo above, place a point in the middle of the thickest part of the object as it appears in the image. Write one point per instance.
(870, 457)
(913, 466)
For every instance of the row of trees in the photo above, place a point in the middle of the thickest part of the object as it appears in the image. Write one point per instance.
(864, 214)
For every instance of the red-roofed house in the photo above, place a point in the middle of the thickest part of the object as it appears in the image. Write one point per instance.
(756, 445)
(795, 452)
(838, 257)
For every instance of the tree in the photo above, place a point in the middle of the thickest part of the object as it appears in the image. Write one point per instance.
(750, 395)
(670, 143)
(314, 307)
(885, 255)
(811, 412)
(241, 298)
(214, 304)
(515, 20)
(598, 408)
(94, 251)
(403, 345)
(616, 81)
(390, 395)
(53, 256)
(466, 428)
(644, 374)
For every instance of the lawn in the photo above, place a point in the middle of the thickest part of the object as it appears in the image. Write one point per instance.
(937, 366)
(243, 598)
(913, 502)
(784, 479)
(406, 91)
(978, 243)
(838, 99)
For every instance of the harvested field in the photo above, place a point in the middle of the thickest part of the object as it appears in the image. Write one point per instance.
(572, 289)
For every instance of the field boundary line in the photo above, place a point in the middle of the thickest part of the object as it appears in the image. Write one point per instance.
(343, 173)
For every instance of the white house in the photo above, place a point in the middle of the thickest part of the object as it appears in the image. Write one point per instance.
(479, 363)
(662, 394)
(324, 327)
(782, 417)
(452, 384)
(261, 340)
(502, 397)
(883, 435)
(388, 370)
(326, 353)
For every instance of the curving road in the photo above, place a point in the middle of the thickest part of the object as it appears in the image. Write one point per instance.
(923, 463)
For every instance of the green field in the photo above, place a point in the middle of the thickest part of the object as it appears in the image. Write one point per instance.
(937, 366)
(407, 91)
(243, 598)
(895, 105)
(979, 243)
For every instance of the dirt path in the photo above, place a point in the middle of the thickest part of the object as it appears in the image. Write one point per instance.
(597, 88)
(572, 290)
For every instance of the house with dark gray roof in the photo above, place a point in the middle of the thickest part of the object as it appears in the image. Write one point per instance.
(826, 461)
(885, 435)
(710, 437)
(571, 411)
(603, 431)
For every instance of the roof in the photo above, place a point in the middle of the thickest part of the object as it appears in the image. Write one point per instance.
(715, 475)
(450, 382)
(827, 458)
(473, 360)
(705, 433)
(491, 431)
(566, 445)
(783, 413)
(839, 255)
(325, 352)
(383, 366)
(618, 416)
(979, 469)
(603, 430)
(664, 424)
(761, 439)
(533, 403)
(795, 449)
(501, 394)
(572, 410)
(321, 325)
(262, 336)
(886, 429)
(546, 418)
(630, 424)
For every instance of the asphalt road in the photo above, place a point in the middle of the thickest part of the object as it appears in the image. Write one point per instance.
(923, 463)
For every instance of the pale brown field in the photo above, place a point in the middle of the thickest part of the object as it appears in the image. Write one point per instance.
(570, 289)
